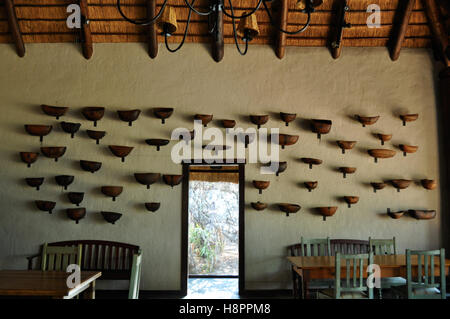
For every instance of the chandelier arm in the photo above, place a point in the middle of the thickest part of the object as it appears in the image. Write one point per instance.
(235, 35)
(145, 21)
(244, 15)
(302, 29)
(198, 12)
(184, 35)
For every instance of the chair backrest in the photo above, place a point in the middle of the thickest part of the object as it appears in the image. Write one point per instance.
(349, 246)
(425, 278)
(58, 258)
(295, 250)
(382, 246)
(315, 246)
(354, 278)
(133, 292)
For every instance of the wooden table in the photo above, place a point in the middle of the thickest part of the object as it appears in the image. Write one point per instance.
(323, 267)
(46, 284)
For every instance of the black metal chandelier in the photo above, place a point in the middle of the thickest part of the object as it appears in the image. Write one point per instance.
(247, 28)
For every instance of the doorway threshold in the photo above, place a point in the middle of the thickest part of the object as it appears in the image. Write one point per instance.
(213, 288)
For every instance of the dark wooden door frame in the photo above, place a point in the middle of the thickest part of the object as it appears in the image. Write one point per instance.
(185, 223)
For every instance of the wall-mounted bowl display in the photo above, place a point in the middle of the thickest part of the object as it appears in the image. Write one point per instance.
(205, 118)
(311, 185)
(259, 119)
(287, 117)
(401, 183)
(381, 153)
(351, 200)
(90, 166)
(172, 180)
(289, 208)
(395, 215)
(111, 217)
(70, 128)
(429, 184)
(377, 186)
(311, 161)
(55, 111)
(347, 170)
(158, 142)
(45, 205)
(38, 130)
(112, 191)
(367, 120)
(286, 140)
(129, 116)
(54, 152)
(422, 214)
(29, 157)
(35, 182)
(163, 113)
(76, 214)
(75, 197)
(228, 123)
(261, 185)
(321, 126)
(408, 149)
(93, 113)
(384, 137)
(259, 206)
(96, 135)
(64, 180)
(147, 178)
(120, 151)
(327, 211)
(346, 145)
(281, 167)
(409, 118)
(152, 207)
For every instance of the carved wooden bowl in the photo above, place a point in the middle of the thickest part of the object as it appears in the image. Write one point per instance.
(46, 206)
(96, 135)
(367, 120)
(381, 153)
(347, 170)
(53, 151)
(152, 207)
(311, 185)
(377, 186)
(395, 215)
(120, 151)
(147, 178)
(112, 191)
(111, 217)
(75, 197)
(90, 166)
(429, 184)
(259, 119)
(56, 111)
(228, 123)
(287, 117)
(351, 200)
(409, 118)
(289, 208)
(384, 137)
(311, 161)
(346, 145)
(158, 142)
(286, 140)
(260, 185)
(38, 130)
(70, 128)
(259, 206)
(129, 116)
(172, 180)
(93, 113)
(327, 211)
(281, 167)
(163, 113)
(321, 126)
(35, 182)
(76, 213)
(408, 149)
(400, 183)
(205, 118)
(64, 180)
(422, 214)
(29, 157)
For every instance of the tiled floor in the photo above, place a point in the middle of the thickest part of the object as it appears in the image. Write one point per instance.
(213, 288)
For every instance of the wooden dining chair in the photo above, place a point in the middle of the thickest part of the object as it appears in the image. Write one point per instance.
(55, 258)
(135, 279)
(349, 246)
(383, 246)
(424, 285)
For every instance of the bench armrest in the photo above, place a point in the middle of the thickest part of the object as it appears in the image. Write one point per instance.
(30, 260)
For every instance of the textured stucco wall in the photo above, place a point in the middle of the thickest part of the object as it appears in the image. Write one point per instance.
(308, 81)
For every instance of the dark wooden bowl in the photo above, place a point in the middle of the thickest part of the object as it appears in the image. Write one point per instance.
(75, 198)
(93, 113)
(96, 135)
(259, 119)
(381, 153)
(347, 170)
(401, 183)
(163, 113)
(287, 117)
(228, 123)
(112, 191)
(90, 166)
(321, 126)
(120, 151)
(70, 128)
(377, 186)
(286, 140)
(311, 185)
(289, 208)
(172, 180)
(76, 213)
(205, 118)
(429, 184)
(56, 111)
(259, 206)
(408, 118)
(111, 217)
(351, 200)
(147, 178)
(422, 214)
(408, 149)
(327, 211)
(260, 185)
(29, 157)
(158, 142)
(53, 151)
(311, 161)
(35, 181)
(64, 180)
(129, 116)
(395, 215)
(346, 145)
(367, 120)
(384, 137)
(152, 207)
(38, 130)
(282, 166)
(46, 206)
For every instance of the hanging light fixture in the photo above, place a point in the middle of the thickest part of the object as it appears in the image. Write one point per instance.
(247, 28)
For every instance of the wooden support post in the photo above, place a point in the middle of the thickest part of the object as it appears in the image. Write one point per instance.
(217, 35)
(281, 36)
(440, 37)
(340, 24)
(14, 28)
(85, 33)
(152, 35)
(405, 10)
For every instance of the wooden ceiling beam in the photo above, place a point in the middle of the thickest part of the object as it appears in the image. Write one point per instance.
(405, 11)
(440, 36)
(85, 31)
(14, 28)
(280, 44)
(152, 35)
